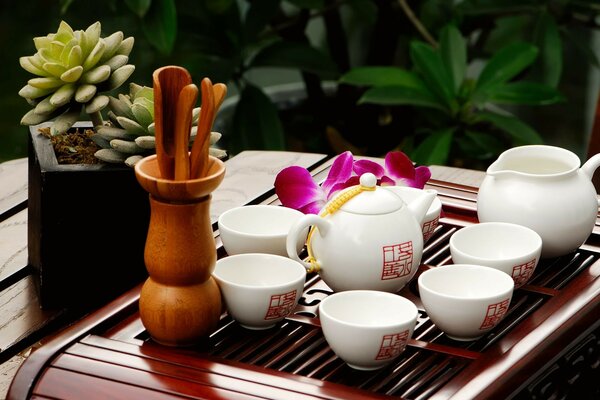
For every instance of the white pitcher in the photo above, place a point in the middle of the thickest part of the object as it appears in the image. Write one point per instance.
(544, 188)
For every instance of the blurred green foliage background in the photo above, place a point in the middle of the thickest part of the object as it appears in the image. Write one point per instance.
(209, 38)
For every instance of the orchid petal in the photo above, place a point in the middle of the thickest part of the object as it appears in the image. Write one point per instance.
(340, 171)
(399, 166)
(387, 181)
(352, 181)
(422, 175)
(296, 189)
(364, 166)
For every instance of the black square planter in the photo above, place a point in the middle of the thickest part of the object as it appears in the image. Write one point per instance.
(87, 227)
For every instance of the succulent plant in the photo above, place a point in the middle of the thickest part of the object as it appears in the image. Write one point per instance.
(73, 69)
(130, 134)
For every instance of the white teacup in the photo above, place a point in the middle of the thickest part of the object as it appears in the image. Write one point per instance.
(511, 248)
(259, 290)
(432, 217)
(258, 229)
(465, 301)
(367, 329)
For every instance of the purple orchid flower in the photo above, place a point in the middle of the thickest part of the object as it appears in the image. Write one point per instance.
(399, 170)
(296, 188)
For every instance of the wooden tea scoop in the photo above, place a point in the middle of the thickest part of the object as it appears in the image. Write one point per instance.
(183, 122)
(167, 84)
(219, 92)
(198, 158)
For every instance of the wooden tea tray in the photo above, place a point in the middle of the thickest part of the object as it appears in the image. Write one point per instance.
(548, 346)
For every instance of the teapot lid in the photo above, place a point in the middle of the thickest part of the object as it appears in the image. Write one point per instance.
(370, 200)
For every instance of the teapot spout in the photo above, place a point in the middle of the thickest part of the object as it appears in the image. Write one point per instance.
(420, 205)
(591, 165)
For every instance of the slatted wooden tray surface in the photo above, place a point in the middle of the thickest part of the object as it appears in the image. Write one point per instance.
(109, 354)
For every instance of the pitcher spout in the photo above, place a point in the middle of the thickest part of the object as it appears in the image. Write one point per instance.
(420, 205)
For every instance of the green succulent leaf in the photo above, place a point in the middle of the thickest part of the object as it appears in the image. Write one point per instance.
(44, 107)
(41, 42)
(72, 75)
(429, 63)
(401, 95)
(530, 93)
(96, 75)
(85, 93)
(435, 149)
(120, 76)
(519, 130)
(45, 83)
(63, 95)
(33, 118)
(453, 49)
(31, 92)
(121, 106)
(112, 132)
(126, 46)
(131, 126)
(75, 57)
(26, 64)
(112, 44)
(97, 104)
(116, 62)
(92, 37)
(506, 64)
(142, 114)
(65, 121)
(64, 32)
(54, 69)
(95, 55)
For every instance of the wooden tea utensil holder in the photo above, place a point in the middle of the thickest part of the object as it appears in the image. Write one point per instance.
(180, 302)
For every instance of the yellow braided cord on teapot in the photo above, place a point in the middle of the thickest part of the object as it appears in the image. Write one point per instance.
(331, 208)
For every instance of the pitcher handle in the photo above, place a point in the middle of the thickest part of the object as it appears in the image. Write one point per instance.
(591, 165)
(297, 229)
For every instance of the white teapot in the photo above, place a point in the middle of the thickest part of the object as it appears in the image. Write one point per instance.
(365, 238)
(543, 188)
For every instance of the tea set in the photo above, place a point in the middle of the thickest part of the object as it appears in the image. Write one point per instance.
(366, 245)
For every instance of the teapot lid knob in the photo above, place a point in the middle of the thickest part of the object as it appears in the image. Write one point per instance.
(368, 180)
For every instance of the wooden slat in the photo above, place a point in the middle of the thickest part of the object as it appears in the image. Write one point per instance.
(13, 245)
(13, 184)
(21, 314)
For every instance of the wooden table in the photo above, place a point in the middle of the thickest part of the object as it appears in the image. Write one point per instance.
(548, 344)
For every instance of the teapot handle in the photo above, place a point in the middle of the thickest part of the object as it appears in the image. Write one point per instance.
(297, 229)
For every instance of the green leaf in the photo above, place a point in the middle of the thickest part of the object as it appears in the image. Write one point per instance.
(382, 76)
(139, 7)
(530, 93)
(294, 55)
(517, 129)
(584, 47)
(435, 149)
(400, 95)
(480, 145)
(454, 54)
(366, 10)
(429, 63)
(258, 16)
(160, 25)
(256, 123)
(506, 64)
(308, 4)
(547, 38)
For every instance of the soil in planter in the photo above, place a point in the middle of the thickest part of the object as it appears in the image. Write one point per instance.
(73, 147)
